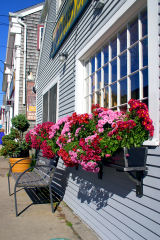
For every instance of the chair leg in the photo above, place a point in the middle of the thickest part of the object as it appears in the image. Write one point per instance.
(15, 201)
(51, 198)
(9, 187)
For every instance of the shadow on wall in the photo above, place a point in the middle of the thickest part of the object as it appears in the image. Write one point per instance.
(99, 191)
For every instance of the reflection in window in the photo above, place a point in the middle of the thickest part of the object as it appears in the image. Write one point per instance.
(106, 97)
(123, 91)
(145, 51)
(134, 58)
(134, 31)
(93, 99)
(114, 70)
(99, 60)
(93, 83)
(135, 86)
(145, 82)
(105, 51)
(114, 47)
(123, 65)
(99, 79)
(93, 65)
(99, 98)
(114, 95)
(123, 40)
(106, 75)
(144, 23)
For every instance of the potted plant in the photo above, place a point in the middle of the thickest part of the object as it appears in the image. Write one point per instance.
(15, 146)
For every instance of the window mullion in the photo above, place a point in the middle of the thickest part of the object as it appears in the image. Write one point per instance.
(102, 78)
(110, 76)
(89, 100)
(118, 72)
(48, 106)
(128, 65)
(96, 82)
(140, 58)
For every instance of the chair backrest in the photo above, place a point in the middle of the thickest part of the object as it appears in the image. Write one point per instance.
(45, 172)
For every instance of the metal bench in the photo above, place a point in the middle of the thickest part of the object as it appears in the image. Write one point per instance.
(39, 176)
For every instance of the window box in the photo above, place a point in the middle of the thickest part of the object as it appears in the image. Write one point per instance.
(133, 159)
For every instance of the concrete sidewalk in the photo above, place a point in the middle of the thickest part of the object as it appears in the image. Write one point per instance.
(37, 222)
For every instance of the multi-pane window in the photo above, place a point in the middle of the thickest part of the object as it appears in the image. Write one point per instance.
(119, 71)
(50, 105)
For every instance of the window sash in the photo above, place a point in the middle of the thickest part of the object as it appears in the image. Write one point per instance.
(50, 105)
(114, 64)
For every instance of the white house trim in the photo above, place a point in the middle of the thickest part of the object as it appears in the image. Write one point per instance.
(24, 12)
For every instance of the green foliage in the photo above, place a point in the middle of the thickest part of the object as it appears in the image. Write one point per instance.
(20, 123)
(14, 145)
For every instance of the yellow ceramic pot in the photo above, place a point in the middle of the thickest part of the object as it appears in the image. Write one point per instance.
(22, 165)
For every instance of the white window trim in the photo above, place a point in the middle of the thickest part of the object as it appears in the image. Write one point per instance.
(129, 9)
(47, 88)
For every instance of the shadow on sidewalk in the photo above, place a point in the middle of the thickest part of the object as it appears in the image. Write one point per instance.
(40, 196)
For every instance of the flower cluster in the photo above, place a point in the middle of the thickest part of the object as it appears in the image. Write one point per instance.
(38, 137)
(141, 110)
(84, 139)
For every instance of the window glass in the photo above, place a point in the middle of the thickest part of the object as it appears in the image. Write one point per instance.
(50, 105)
(114, 70)
(93, 65)
(135, 86)
(123, 65)
(106, 75)
(106, 97)
(114, 95)
(123, 91)
(145, 51)
(105, 52)
(134, 58)
(114, 47)
(45, 107)
(123, 40)
(53, 103)
(99, 79)
(134, 31)
(145, 82)
(93, 99)
(99, 60)
(144, 23)
(93, 83)
(99, 98)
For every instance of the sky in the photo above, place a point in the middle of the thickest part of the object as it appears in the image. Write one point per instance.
(6, 7)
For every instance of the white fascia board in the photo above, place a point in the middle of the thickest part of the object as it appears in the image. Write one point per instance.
(30, 11)
(110, 27)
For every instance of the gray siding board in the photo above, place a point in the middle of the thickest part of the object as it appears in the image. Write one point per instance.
(121, 214)
(112, 214)
(152, 182)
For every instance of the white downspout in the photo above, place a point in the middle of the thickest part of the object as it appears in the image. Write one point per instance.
(25, 50)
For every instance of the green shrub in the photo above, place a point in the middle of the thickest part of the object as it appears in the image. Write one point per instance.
(14, 144)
